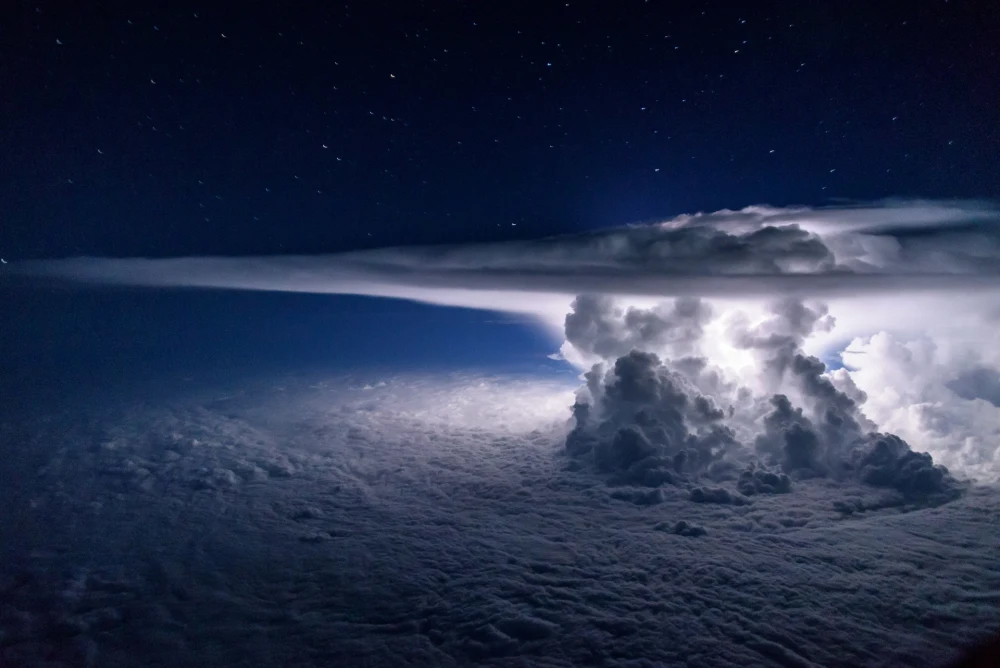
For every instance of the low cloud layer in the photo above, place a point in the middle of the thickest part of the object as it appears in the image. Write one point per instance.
(377, 521)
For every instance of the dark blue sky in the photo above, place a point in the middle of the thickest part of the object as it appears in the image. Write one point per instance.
(269, 128)
(68, 333)
(197, 128)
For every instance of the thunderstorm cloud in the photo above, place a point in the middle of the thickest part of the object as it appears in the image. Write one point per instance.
(778, 445)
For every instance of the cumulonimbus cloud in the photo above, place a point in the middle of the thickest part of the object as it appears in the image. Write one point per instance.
(914, 268)
(680, 419)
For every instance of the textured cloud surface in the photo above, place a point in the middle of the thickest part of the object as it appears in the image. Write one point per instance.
(652, 421)
(438, 522)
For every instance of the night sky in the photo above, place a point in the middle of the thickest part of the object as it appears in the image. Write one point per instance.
(262, 128)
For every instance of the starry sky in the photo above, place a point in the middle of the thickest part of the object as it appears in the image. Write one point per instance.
(271, 128)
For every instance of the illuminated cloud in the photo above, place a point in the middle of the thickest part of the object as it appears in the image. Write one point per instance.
(699, 292)
(935, 393)
(905, 246)
(649, 421)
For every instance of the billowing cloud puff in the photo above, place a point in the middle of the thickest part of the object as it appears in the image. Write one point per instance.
(719, 495)
(758, 479)
(778, 338)
(648, 422)
(597, 328)
(936, 395)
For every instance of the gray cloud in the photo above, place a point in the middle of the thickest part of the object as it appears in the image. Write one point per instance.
(646, 421)
(978, 383)
(597, 326)
(782, 334)
(719, 495)
(758, 479)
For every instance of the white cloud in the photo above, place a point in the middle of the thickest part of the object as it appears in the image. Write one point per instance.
(880, 266)
(655, 410)
(907, 387)
(759, 251)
